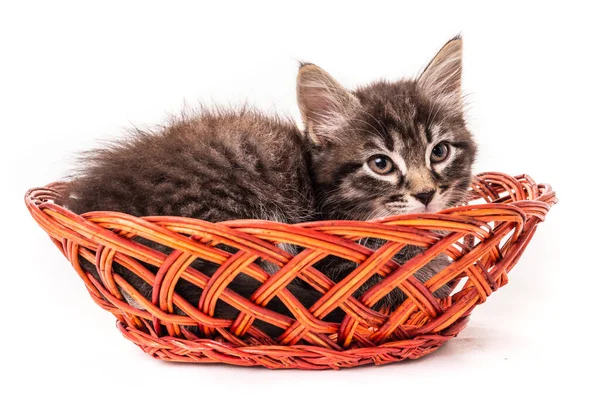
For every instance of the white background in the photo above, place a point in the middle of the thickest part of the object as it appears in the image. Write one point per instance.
(71, 74)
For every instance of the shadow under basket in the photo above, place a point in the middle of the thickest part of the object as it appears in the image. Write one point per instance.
(484, 239)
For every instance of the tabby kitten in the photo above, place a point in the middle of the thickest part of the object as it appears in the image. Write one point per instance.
(383, 149)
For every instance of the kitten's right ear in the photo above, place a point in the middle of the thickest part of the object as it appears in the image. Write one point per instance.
(442, 77)
(325, 105)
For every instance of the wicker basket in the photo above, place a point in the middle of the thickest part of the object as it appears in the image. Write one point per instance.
(485, 239)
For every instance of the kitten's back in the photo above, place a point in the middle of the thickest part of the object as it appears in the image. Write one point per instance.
(218, 165)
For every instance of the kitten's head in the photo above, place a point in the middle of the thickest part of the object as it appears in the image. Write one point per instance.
(389, 147)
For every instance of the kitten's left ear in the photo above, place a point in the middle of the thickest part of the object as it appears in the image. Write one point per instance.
(442, 76)
(325, 104)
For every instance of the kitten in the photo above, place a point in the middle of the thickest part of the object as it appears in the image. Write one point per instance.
(383, 149)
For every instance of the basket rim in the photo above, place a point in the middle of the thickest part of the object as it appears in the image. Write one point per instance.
(36, 196)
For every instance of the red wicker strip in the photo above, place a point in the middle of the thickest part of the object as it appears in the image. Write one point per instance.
(485, 238)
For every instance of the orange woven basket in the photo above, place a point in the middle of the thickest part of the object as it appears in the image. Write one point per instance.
(485, 238)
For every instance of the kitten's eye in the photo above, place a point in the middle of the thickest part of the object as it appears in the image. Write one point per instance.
(381, 164)
(440, 152)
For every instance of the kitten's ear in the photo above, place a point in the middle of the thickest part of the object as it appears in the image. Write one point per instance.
(442, 77)
(324, 104)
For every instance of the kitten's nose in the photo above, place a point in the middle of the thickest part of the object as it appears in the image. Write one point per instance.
(424, 197)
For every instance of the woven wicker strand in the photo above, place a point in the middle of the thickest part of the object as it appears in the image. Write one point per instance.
(484, 238)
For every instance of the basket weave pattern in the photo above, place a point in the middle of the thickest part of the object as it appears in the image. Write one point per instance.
(484, 239)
